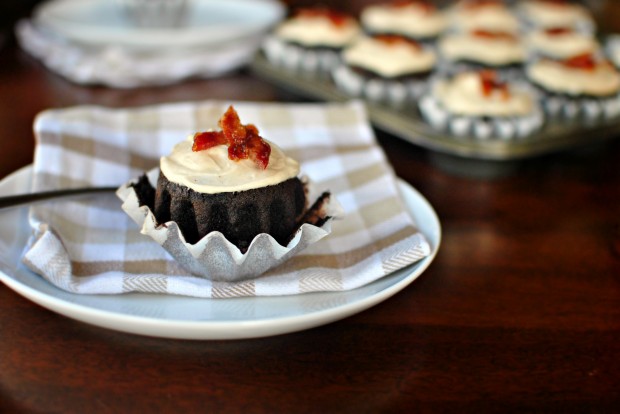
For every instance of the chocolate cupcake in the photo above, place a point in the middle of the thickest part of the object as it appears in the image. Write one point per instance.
(482, 105)
(417, 20)
(228, 204)
(311, 39)
(385, 68)
(585, 85)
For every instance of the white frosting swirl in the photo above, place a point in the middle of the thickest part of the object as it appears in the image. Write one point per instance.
(389, 60)
(561, 45)
(464, 95)
(603, 80)
(313, 31)
(488, 17)
(489, 51)
(549, 14)
(210, 171)
(412, 20)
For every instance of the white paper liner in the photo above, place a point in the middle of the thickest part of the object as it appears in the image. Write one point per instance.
(214, 257)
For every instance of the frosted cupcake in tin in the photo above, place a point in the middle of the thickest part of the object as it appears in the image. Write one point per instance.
(490, 15)
(385, 68)
(556, 13)
(583, 85)
(560, 42)
(482, 49)
(311, 39)
(417, 20)
(482, 105)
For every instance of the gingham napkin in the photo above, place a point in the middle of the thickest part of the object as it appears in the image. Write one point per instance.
(91, 246)
(121, 68)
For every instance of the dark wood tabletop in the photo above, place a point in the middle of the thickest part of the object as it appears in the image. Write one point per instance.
(519, 312)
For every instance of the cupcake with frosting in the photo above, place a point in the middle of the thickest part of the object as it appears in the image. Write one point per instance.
(556, 13)
(311, 39)
(482, 49)
(583, 85)
(482, 105)
(560, 42)
(489, 15)
(228, 204)
(385, 68)
(417, 20)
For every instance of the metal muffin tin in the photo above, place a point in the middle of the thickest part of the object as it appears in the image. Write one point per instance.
(406, 122)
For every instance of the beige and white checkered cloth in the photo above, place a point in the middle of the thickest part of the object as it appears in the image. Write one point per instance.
(91, 246)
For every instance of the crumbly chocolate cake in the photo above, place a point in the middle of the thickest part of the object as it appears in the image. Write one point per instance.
(239, 215)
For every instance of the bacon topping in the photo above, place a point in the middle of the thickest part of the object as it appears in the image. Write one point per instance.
(389, 39)
(490, 83)
(584, 61)
(337, 18)
(558, 31)
(243, 141)
(495, 35)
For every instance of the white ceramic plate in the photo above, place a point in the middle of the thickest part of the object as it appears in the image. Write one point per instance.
(102, 23)
(192, 318)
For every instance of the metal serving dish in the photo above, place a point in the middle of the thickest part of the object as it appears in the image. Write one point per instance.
(407, 123)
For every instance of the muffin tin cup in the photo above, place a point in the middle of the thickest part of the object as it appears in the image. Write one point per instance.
(214, 257)
(298, 58)
(479, 127)
(590, 108)
(377, 89)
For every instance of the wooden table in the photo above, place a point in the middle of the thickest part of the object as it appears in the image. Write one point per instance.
(520, 311)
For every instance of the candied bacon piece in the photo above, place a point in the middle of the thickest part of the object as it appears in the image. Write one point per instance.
(337, 18)
(496, 34)
(390, 39)
(583, 61)
(208, 139)
(235, 133)
(558, 31)
(259, 150)
(243, 141)
(490, 84)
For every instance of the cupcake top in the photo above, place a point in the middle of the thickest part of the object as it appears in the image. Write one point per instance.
(490, 15)
(319, 27)
(482, 94)
(389, 56)
(494, 48)
(233, 159)
(561, 42)
(556, 13)
(415, 19)
(579, 75)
